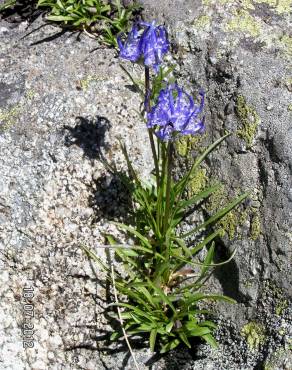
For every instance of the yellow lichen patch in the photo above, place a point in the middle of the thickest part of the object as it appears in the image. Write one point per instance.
(9, 116)
(280, 6)
(282, 305)
(229, 224)
(289, 108)
(245, 23)
(202, 22)
(249, 121)
(243, 4)
(30, 94)
(254, 333)
(85, 82)
(185, 144)
(286, 43)
(198, 182)
(255, 227)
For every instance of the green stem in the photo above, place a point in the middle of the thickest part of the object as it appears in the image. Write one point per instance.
(161, 191)
(150, 131)
(168, 186)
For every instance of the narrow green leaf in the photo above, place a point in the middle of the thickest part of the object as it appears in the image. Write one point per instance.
(136, 233)
(202, 195)
(182, 244)
(195, 330)
(60, 18)
(152, 339)
(115, 335)
(208, 260)
(162, 295)
(147, 295)
(95, 258)
(181, 185)
(204, 264)
(210, 340)
(221, 213)
(208, 323)
(169, 326)
(184, 338)
(136, 310)
(200, 296)
(7, 4)
(170, 345)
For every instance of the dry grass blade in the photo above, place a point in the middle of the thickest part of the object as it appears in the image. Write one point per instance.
(121, 320)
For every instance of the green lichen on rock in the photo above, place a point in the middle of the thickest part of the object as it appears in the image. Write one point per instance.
(244, 22)
(185, 144)
(86, 81)
(232, 220)
(254, 333)
(280, 6)
(229, 224)
(255, 227)
(8, 117)
(286, 42)
(198, 182)
(278, 297)
(202, 22)
(276, 359)
(249, 121)
(289, 108)
(281, 306)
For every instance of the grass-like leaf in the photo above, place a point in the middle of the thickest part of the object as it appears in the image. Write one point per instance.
(221, 213)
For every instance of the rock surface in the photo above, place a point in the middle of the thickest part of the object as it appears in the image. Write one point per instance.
(239, 52)
(64, 103)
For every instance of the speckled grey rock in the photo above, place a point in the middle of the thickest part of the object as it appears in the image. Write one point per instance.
(240, 54)
(64, 104)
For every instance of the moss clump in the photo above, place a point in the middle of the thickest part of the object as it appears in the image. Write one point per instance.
(249, 120)
(254, 333)
(198, 182)
(255, 227)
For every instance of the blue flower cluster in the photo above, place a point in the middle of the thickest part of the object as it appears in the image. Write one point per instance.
(147, 41)
(176, 114)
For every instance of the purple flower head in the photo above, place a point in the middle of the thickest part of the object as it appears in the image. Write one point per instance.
(176, 114)
(146, 41)
(131, 49)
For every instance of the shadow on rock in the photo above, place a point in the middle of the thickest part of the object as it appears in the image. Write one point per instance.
(23, 10)
(111, 198)
(228, 275)
(88, 134)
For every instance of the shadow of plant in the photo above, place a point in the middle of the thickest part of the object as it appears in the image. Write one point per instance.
(23, 10)
(89, 134)
(110, 198)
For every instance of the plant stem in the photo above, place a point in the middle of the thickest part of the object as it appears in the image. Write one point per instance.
(161, 191)
(150, 131)
(168, 186)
